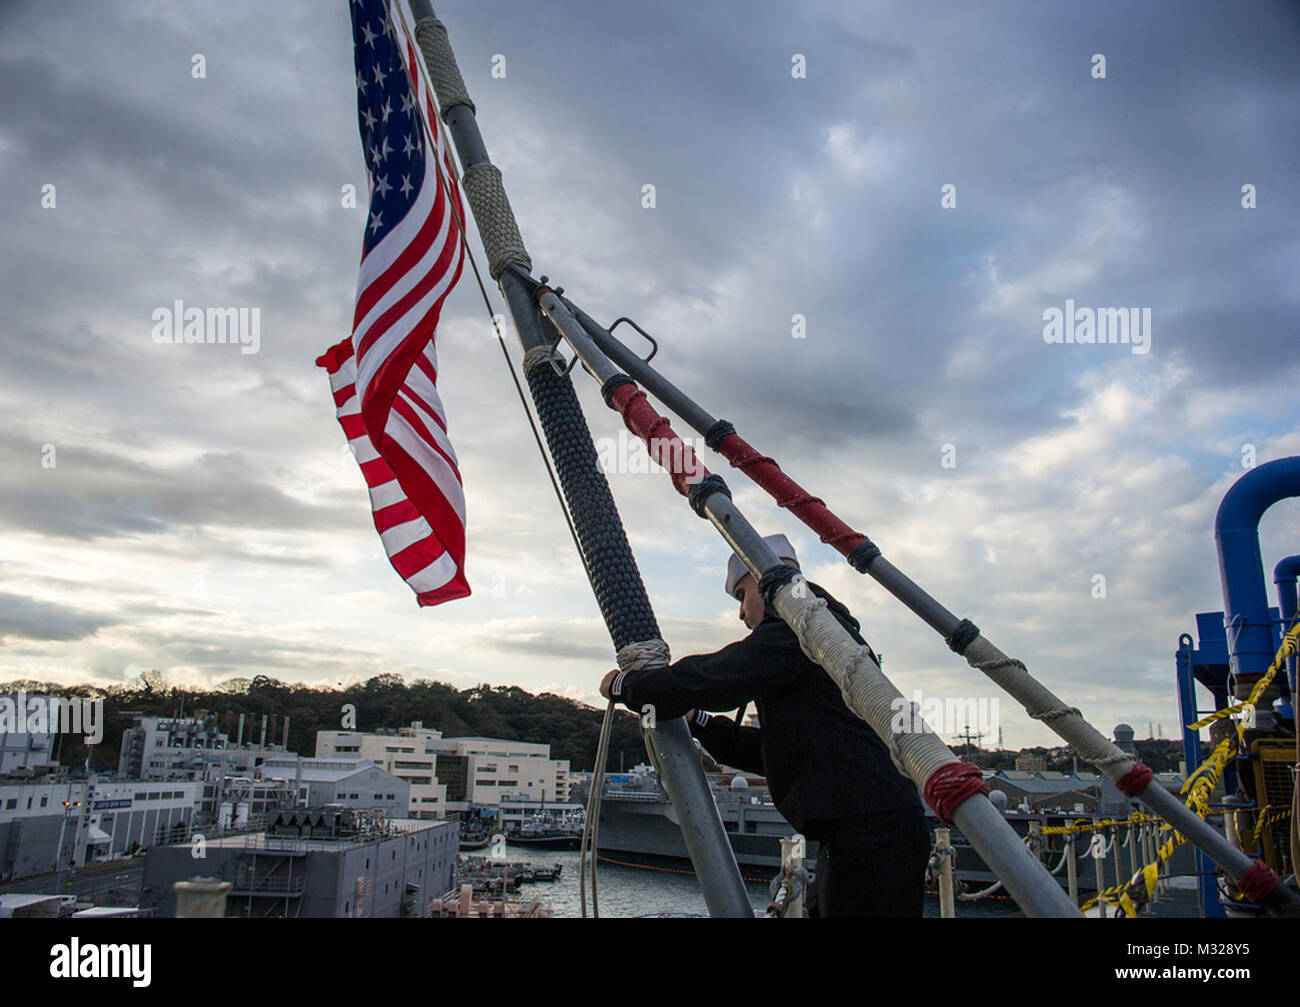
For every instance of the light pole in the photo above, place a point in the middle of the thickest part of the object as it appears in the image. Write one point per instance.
(68, 805)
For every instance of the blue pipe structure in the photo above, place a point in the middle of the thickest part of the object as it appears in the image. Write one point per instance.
(1251, 640)
(1207, 888)
(1284, 576)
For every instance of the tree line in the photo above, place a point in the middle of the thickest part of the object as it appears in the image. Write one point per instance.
(572, 729)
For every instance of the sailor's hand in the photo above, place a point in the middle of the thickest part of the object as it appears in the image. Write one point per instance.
(606, 682)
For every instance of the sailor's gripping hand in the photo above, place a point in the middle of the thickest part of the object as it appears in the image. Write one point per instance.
(606, 682)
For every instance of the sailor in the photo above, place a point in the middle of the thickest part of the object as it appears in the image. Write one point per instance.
(827, 771)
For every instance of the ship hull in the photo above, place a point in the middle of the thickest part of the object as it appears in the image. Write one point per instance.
(546, 842)
(644, 833)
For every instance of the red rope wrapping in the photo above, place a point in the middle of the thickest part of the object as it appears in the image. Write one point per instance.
(809, 509)
(665, 447)
(952, 784)
(1135, 780)
(1257, 883)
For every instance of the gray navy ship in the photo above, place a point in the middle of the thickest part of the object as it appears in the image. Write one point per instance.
(639, 827)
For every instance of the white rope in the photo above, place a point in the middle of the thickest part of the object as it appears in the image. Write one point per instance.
(448, 84)
(644, 654)
(1042, 704)
(972, 896)
(632, 657)
(591, 824)
(914, 748)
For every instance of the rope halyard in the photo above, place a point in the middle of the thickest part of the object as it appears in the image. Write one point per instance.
(587, 850)
(1199, 787)
(631, 657)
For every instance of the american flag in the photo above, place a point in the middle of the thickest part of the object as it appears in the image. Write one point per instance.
(384, 375)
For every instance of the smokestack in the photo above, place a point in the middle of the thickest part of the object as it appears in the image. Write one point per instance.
(262, 744)
(286, 732)
(240, 742)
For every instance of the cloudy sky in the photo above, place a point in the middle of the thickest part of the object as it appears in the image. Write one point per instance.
(192, 508)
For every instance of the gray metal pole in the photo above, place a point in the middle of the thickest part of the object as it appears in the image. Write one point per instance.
(1072, 869)
(706, 839)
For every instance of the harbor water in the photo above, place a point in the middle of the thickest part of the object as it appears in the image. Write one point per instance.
(630, 892)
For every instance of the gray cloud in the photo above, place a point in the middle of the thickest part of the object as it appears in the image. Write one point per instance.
(31, 619)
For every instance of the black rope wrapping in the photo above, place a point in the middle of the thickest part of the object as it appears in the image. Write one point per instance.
(699, 493)
(862, 555)
(615, 578)
(772, 579)
(962, 636)
(716, 434)
(609, 387)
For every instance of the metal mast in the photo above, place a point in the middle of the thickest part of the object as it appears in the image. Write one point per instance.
(615, 578)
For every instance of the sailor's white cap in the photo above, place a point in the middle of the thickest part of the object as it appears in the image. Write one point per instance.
(736, 569)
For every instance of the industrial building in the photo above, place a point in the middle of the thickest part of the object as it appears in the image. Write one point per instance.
(87, 819)
(319, 863)
(347, 782)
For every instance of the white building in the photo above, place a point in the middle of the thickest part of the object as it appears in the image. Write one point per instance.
(88, 819)
(169, 748)
(24, 750)
(482, 772)
(454, 775)
(351, 782)
(406, 753)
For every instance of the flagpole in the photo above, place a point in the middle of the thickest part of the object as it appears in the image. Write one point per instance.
(614, 575)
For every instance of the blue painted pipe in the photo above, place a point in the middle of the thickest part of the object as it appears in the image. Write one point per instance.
(1241, 568)
(1284, 576)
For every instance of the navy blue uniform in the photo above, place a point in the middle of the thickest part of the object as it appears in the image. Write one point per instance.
(827, 771)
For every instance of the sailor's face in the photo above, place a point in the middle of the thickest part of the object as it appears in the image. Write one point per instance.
(751, 602)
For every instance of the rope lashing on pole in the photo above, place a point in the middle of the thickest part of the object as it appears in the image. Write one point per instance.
(488, 201)
(962, 636)
(950, 785)
(440, 61)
